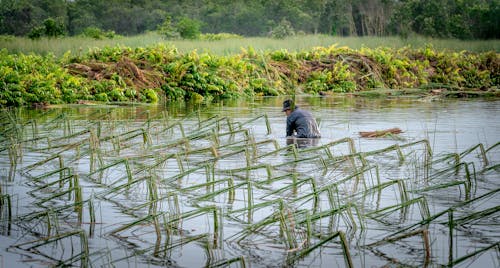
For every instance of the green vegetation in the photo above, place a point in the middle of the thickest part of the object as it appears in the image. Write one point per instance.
(148, 74)
(96, 33)
(225, 44)
(50, 28)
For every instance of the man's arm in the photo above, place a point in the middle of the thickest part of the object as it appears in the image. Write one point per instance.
(289, 126)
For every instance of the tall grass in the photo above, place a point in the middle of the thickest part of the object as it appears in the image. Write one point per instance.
(81, 45)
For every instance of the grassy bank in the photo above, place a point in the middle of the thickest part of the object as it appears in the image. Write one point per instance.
(81, 45)
(148, 73)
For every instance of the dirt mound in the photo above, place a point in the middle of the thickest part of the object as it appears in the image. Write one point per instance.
(126, 69)
(363, 67)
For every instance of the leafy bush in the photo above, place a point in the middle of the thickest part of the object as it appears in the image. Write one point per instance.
(261, 87)
(50, 28)
(219, 36)
(150, 96)
(36, 33)
(101, 97)
(189, 28)
(173, 91)
(282, 30)
(96, 33)
(168, 30)
(53, 28)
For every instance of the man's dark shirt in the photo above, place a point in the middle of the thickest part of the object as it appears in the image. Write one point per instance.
(303, 123)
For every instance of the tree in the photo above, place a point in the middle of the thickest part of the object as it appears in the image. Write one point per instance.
(53, 28)
(189, 28)
(167, 29)
(15, 17)
(337, 18)
(283, 30)
(449, 18)
(464, 19)
(371, 17)
(49, 28)
(314, 10)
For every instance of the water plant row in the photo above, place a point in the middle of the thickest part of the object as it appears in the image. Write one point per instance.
(161, 188)
(149, 74)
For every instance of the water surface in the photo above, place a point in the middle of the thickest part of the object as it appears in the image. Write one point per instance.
(265, 204)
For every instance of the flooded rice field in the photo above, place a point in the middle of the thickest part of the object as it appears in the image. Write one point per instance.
(220, 186)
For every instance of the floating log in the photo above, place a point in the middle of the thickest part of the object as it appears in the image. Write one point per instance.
(379, 133)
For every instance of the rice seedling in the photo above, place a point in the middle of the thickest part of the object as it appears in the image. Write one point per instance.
(145, 220)
(15, 153)
(456, 169)
(5, 213)
(329, 146)
(290, 148)
(209, 211)
(230, 189)
(343, 241)
(266, 121)
(225, 263)
(101, 170)
(450, 223)
(82, 256)
(46, 187)
(485, 170)
(476, 215)
(383, 213)
(482, 153)
(246, 170)
(491, 148)
(45, 161)
(275, 221)
(56, 195)
(474, 254)
(395, 147)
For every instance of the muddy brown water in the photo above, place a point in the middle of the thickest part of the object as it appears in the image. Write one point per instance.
(215, 185)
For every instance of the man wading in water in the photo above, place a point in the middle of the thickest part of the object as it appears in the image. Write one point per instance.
(301, 127)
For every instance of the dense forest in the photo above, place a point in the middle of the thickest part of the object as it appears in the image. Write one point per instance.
(463, 19)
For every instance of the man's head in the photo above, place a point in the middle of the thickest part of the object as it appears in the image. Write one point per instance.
(288, 106)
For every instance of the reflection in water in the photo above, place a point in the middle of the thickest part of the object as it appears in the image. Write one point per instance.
(302, 142)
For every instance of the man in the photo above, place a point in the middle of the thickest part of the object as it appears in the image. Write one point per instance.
(299, 123)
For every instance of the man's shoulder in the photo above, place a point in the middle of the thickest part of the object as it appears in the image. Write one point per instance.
(299, 111)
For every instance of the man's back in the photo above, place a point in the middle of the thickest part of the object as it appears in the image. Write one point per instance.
(303, 123)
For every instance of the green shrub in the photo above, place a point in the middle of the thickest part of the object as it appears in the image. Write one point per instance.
(189, 28)
(53, 28)
(36, 32)
(116, 94)
(50, 28)
(93, 32)
(261, 87)
(130, 93)
(168, 30)
(219, 36)
(173, 92)
(282, 30)
(150, 95)
(98, 34)
(101, 97)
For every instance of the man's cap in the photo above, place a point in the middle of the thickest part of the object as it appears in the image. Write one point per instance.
(287, 105)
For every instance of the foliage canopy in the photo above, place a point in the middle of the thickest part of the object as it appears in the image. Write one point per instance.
(472, 19)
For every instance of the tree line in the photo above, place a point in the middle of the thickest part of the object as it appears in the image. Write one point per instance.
(463, 19)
